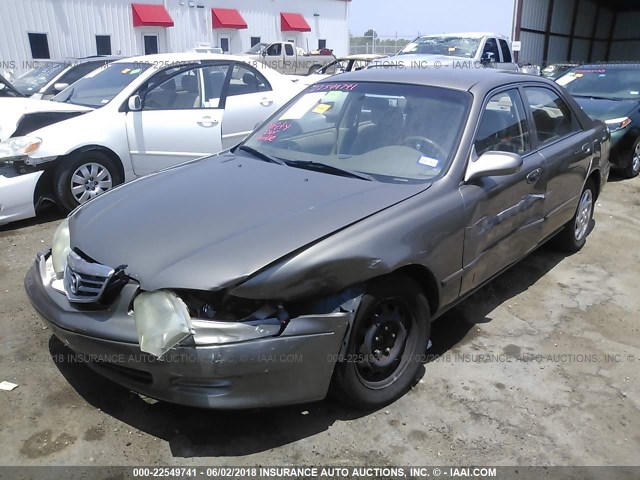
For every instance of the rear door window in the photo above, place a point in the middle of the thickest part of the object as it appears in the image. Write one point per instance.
(552, 117)
(506, 52)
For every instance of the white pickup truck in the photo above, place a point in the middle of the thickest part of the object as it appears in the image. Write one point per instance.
(454, 50)
(285, 57)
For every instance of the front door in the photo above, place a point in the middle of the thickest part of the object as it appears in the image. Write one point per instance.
(505, 212)
(249, 100)
(180, 120)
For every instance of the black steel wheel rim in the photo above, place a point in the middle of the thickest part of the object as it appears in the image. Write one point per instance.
(384, 343)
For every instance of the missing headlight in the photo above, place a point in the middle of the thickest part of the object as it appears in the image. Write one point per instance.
(220, 306)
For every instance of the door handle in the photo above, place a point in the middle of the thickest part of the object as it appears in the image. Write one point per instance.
(534, 175)
(586, 148)
(265, 102)
(207, 122)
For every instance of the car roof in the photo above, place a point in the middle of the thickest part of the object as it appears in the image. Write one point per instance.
(465, 34)
(75, 61)
(446, 77)
(363, 56)
(613, 65)
(166, 58)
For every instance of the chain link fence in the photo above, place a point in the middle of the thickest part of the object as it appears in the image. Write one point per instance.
(380, 44)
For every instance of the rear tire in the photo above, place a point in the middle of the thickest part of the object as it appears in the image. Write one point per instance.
(573, 236)
(83, 176)
(387, 342)
(314, 69)
(633, 167)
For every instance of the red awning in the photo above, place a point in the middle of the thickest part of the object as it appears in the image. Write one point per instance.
(227, 18)
(293, 22)
(146, 15)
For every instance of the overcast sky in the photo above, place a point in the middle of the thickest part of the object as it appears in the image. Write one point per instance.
(408, 17)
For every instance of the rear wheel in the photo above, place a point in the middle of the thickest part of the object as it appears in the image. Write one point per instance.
(314, 69)
(574, 234)
(389, 336)
(84, 176)
(633, 167)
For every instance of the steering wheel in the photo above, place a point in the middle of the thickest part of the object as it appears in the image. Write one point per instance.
(433, 149)
(289, 145)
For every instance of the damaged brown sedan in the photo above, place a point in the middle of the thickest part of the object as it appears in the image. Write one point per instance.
(316, 253)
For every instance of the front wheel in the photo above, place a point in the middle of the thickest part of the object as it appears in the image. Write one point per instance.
(574, 234)
(633, 167)
(84, 176)
(387, 342)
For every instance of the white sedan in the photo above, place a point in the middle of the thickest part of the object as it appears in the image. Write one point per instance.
(131, 118)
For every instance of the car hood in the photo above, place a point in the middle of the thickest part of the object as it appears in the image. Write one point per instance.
(211, 223)
(12, 110)
(603, 109)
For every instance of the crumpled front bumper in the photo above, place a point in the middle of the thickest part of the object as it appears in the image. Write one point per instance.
(294, 367)
(17, 194)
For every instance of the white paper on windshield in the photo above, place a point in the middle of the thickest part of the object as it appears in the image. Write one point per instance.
(302, 106)
(429, 162)
(567, 79)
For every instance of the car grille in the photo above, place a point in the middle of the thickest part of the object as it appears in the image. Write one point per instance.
(84, 281)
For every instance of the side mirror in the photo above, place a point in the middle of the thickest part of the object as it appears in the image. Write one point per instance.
(491, 164)
(58, 87)
(135, 103)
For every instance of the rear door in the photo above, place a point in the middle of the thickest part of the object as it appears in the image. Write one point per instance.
(506, 212)
(180, 120)
(567, 150)
(249, 99)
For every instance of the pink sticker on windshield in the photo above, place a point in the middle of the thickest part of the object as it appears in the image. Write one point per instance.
(273, 131)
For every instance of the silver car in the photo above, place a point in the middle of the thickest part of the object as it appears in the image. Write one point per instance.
(316, 253)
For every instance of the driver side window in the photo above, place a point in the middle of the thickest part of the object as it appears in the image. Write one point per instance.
(181, 92)
(490, 51)
(274, 50)
(503, 126)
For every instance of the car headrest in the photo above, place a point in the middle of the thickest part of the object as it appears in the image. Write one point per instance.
(249, 79)
(190, 83)
(169, 85)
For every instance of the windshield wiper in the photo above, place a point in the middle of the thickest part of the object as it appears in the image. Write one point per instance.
(260, 155)
(323, 167)
(596, 97)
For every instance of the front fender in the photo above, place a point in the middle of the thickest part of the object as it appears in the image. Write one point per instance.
(426, 230)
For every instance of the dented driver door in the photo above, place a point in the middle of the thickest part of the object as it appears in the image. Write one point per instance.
(505, 213)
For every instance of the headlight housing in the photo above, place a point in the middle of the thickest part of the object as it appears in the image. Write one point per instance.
(162, 321)
(616, 124)
(13, 148)
(61, 247)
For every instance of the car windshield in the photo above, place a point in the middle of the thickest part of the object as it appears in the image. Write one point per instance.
(602, 82)
(396, 133)
(102, 85)
(449, 46)
(32, 81)
(257, 48)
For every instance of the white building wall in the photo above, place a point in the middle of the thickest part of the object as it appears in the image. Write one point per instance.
(194, 25)
(71, 26)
